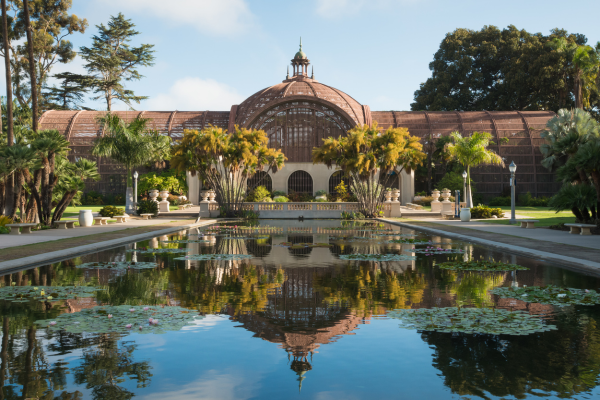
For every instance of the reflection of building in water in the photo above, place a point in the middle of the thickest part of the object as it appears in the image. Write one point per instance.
(298, 318)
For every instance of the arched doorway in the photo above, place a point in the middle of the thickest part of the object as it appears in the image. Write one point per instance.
(300, 182)
(336, 178)
(261, 178)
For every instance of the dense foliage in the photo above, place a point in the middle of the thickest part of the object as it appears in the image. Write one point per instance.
(225, 160)
(510, 69)
(371, 158)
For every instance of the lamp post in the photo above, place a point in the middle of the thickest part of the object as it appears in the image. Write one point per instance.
(135, 176)
(512, 168)
(464, 175)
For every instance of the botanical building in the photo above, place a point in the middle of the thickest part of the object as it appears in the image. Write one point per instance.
(300, 111)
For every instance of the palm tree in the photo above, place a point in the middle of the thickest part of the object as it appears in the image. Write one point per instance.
(71, 181)
(585, 61)
(18, 159)
(587, 158)
(471, 151)
(49, 145)
(131, 144)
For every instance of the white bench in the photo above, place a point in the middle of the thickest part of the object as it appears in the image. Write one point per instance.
(65, 224)
(576, 229)
(528, 223)
(146, 216)
(448, 215)
(101, 220)
(121, 218)
(14, 228)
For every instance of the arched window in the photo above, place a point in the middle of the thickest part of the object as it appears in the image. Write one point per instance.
(296, 127)
(261, 178)
(300, 182)
(336, 178)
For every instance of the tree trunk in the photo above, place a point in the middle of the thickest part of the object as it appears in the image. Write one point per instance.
(577, 90)
(28, 361)
(62, 205)
(596, 179)
(468, 197)
(34, 100)
(429, 171)
(9, 205)
(2, 195)
(16, 194)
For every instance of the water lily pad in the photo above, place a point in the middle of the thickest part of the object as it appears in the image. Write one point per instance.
(429, 250)
(22, 294)
(118, 265)
(377, 257)
(411, 241)
(396, 234)
(106, 319)
(471, 320)
(481, 265)
(185, 241)
(550, 295)
(201, 257)
(157, 251)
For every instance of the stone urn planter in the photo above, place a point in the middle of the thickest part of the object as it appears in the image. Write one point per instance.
(436, 195)
(388, 196)
(204, 195)
(163, 205)
(154, 195)
(164, 194)
(395, 195)
(446, 195)
(86, 218)
(465, 214)
(436, 206)
(212, 195)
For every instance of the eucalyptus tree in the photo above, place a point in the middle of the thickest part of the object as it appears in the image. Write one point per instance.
(225, 161)
(371, 158)
(111, 61)
(472, 151)
(132, 144)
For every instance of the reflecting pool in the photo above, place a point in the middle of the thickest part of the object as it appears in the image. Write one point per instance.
(286, 309)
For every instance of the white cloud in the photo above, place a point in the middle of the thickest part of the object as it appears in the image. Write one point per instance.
(194, 94)
(213, 386)
(215, 17)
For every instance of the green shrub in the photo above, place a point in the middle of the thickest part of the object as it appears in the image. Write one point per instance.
(483, 212)
(321, 200)
(4, 230)
(421, 194)
(278, 193)
(528, 200)
(321, 193)
(352, 215)
(281, 199)
(267, 200)
(111, 211)
(147, 207)
(258, 194)
(92, 198)
(500, 201)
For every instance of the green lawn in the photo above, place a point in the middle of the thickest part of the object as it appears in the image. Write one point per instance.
(546, 216)
(74, 211)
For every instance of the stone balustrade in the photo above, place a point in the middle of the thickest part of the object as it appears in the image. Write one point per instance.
(296, 210)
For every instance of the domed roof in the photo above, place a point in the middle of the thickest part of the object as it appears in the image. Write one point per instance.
(300, 54)
(299, 88)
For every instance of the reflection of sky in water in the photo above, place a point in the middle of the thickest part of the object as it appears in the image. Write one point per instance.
(330, 311)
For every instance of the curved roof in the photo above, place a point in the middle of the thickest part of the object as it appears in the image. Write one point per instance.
(300, 88)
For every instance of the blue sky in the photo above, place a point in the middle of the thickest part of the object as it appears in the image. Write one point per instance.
(214, 53)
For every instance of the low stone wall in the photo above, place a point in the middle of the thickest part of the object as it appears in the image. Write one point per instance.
(297, 210)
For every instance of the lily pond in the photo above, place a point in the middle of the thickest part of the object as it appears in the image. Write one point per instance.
(319, 309)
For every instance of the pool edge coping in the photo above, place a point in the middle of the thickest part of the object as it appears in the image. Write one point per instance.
(61, 255)
(557, 259)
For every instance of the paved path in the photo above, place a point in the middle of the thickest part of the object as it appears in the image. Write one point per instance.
(57, 234)
(551, 235)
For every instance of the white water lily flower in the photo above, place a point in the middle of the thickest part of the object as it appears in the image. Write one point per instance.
(561, 295)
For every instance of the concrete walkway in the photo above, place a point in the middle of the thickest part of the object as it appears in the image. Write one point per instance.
(57, 234)
(551, 235)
